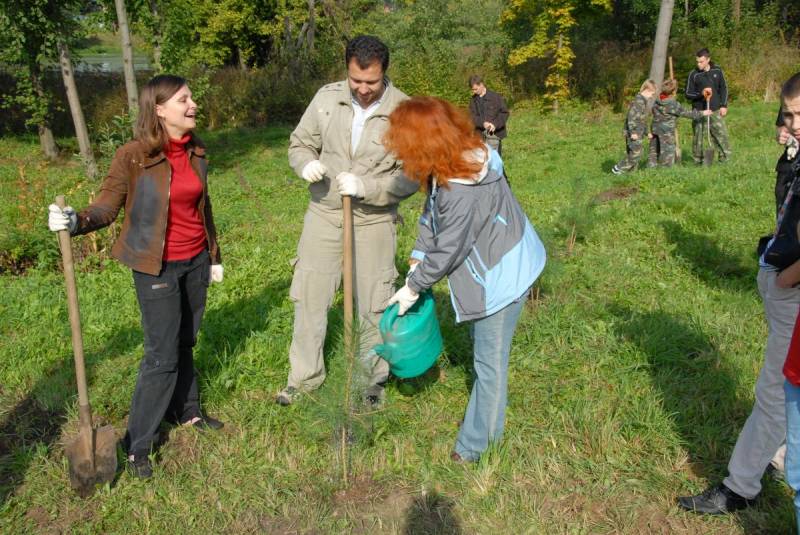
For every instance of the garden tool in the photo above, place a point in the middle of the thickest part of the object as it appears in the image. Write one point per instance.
(92, 455)
(708, 153)
(347, 272)
(677, 139)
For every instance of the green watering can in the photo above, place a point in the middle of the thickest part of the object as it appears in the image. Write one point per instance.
(412, 342)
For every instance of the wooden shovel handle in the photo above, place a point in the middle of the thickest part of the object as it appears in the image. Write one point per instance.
(65, 242)
(347, 270)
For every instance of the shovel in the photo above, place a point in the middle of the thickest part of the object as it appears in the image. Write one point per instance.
(677, 139)
(92, 455)
(708, 153)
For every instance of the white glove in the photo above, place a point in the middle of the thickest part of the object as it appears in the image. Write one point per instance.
(314, 171)
(350, 185)
(216, 272)
(59, 219)
(405, 298)
(792, 146)
(411, 270)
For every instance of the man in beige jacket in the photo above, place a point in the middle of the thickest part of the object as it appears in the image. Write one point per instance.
(337, 148)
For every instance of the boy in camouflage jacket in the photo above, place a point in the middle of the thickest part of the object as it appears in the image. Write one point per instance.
(635, 129)
(666, 111)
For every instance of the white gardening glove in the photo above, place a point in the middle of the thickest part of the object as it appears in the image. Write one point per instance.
(411, 269)
(792, 146)
(405, 298)
(350, 185)
(59, 219)
(314, 171)
(216, 272)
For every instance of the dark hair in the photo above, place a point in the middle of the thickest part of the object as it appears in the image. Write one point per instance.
(149, 129)
(475, 79)
(791, 87)
(703, 52)
(367, 49)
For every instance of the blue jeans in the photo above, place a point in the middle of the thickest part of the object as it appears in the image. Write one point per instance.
(792, 462)
(486, 411)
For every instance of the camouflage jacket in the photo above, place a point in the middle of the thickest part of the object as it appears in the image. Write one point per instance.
(636, 120)
(666, 113)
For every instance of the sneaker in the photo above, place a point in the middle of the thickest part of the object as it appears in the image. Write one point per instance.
(373, 396)
(616, 170)
(287, 396)
(140, 466)
(204, 422)
(717, 500)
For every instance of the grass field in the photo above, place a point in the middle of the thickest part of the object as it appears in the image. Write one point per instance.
(631, 374)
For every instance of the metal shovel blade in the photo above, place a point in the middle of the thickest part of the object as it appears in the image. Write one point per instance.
(92, 457)
(708, 157)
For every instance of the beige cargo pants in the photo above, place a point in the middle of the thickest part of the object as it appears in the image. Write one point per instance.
(317, 275)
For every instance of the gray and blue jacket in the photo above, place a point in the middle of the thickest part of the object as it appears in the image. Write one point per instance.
(476, 234)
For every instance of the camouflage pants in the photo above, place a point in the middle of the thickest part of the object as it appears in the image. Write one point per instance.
(662, 150)
(719, 138)
(634, 153)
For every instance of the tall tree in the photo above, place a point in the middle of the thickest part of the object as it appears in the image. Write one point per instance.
(127, 55)
(661, 41)
(29, 30)
(549, 25)
(81, 132)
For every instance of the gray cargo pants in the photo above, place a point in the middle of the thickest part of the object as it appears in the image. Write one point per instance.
(317, 275)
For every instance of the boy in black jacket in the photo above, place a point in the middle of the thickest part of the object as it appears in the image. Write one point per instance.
(707, 75)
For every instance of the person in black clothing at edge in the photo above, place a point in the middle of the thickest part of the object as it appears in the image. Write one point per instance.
(489, 113)
(708, 75)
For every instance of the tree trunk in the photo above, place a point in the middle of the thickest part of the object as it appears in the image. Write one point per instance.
(77, 113)
(686, 8)
(312, 25)
(47, 142)
(127, 56)
(737, 11)
(157, 36)
(46, 139)
(661, 41)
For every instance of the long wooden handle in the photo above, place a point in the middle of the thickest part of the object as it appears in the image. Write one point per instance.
(347, 271)
(64, 241)
(671, 72)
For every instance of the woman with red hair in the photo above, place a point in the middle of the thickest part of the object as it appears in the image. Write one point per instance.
(474, 232)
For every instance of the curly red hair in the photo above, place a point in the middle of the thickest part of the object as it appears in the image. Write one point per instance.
(431, 136)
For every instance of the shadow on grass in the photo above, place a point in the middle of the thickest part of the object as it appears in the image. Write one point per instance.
(35, 421)
(698, 388)
(709, 262)
(227, 148)
(226, 329)
(432, 514)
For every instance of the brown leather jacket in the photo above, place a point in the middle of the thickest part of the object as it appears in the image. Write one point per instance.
(141, 183)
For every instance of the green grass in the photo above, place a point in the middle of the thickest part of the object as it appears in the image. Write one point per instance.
(630, 376)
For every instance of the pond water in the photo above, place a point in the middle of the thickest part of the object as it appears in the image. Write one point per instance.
(110, 62)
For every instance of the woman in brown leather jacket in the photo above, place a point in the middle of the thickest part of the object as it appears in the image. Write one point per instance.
(169, 241)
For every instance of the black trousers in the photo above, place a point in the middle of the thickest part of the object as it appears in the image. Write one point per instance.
(172, 305)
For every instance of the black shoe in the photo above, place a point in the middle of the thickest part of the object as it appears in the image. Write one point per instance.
(140, 466)
(373, 396)
(205, 423)
(287, 396)
(717, 500)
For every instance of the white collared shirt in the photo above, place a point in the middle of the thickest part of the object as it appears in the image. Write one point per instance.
(360, 116)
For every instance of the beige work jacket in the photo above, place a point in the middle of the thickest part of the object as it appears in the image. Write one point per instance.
(324, 134)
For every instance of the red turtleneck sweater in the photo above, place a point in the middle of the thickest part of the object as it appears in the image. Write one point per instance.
(186, 236)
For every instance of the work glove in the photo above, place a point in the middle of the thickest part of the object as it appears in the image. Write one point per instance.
(792, 146)
(405, 298)
(59, 219)
(314, 171)
(216, 272)
(411, 269)
(350, 185)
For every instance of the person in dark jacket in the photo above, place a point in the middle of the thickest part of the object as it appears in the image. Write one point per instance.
(708, 76)
(489, 113)
(635, 129)
(759, 442)
(169, 240)
(666, 112)
(474, 232)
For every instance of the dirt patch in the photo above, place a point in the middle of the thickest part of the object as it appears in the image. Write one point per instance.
(615, 194)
